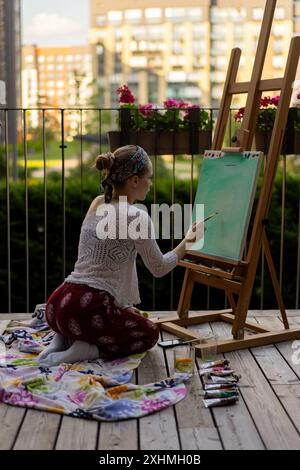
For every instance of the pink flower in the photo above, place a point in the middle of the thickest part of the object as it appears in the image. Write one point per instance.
(183, 104)
(298, 96)
(186, 111)
(265, 101)
(126, 95)
(275, 100)
(171, 103)
(146, 109)
(239, 115)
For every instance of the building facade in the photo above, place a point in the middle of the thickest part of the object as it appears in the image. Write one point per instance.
(181, 49)
(56, 77)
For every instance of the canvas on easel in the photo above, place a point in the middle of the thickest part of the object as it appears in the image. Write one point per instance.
(218, 264)
(226, 187)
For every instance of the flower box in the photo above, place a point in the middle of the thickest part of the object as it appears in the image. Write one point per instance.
(265, 123)
(163, 142)
(177, 128)
(290, 145)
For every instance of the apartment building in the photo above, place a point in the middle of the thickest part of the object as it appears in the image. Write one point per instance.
(180, 49)
(56, 77)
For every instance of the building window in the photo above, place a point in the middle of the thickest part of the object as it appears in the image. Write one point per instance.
(175, 13)
(114, 16)
(278, 62)
(138, 61)
(133, 46)
(194, 13)
(279, 13)
(153, 13)
(257, 13)
(133, 15)
(41, 59)
(278, 46)
(29, 59)
(279, 29)
(100, 20)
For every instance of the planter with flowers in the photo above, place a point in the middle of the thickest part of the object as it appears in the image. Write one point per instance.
(265, 123)
(177, 128)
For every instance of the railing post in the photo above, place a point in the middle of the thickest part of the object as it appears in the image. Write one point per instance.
(125, 126)
(194, 118)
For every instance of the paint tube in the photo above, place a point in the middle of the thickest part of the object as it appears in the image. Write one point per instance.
(230, 392)
(219, 386)
(211, 402)
(224, 380)
(219, 363)
(220, 371)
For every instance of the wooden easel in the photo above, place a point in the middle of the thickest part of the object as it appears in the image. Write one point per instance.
(237, 277)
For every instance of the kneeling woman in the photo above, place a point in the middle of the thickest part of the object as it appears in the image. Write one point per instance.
(92, 312)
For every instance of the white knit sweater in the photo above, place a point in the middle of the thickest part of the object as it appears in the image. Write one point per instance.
(110, 264)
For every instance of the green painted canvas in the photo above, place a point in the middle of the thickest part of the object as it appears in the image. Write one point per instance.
(227, 185)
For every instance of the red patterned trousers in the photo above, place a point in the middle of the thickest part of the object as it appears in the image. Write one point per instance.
(80, 312)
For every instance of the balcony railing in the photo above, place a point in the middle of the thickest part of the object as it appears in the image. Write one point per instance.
(56, 147)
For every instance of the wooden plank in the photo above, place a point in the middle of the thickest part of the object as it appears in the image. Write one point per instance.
(258, 339)
(273, 424)
(157, 431)
(10, 417)
(207, 270)
(77, 434)
(250, 325)
(216, 282)
(161, 314)
(10, 420)
(38, 431)
(285, 348)
(195, 423)
(272, 84)
(120, 435)
(283, 379)
(235, 424)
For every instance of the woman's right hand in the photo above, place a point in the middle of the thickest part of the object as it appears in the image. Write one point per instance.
(195, 232)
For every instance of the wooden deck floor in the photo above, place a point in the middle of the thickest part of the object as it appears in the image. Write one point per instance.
(267, 415)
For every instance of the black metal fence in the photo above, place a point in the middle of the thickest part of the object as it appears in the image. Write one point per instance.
(71, 137)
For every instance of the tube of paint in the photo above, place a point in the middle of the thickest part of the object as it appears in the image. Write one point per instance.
(230, 392)
(211, 402)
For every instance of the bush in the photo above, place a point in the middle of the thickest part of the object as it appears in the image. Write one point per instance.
(77, 203)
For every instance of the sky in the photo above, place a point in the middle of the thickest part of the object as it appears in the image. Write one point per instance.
(55, 22)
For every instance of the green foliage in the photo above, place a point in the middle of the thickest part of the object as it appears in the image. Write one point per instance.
(78, 195)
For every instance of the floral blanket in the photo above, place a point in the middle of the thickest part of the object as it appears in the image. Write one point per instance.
(90, 389)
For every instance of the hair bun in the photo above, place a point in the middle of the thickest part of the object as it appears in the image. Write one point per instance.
(105, 161)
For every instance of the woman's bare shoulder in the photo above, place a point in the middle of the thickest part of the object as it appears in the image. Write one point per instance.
(95, 203)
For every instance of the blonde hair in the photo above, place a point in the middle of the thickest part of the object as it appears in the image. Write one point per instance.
(120, 165)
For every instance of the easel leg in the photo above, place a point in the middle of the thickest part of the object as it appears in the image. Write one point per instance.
(185, 295)
(231, 301)
(274, 279)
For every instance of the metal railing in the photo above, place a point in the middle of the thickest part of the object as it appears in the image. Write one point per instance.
(87, 127)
